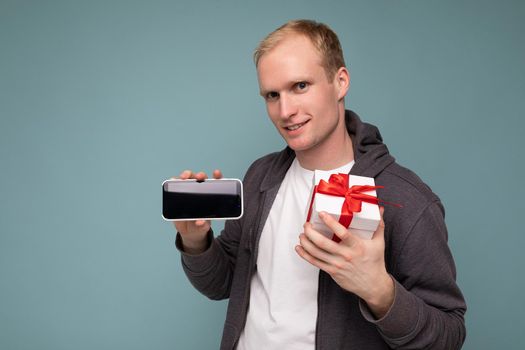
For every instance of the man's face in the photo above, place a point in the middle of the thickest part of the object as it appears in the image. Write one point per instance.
(303, 104)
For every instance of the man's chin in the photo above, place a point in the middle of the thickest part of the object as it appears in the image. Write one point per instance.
(299, 147)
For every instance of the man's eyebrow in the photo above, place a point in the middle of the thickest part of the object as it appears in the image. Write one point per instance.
(304, 78)
(263, 93)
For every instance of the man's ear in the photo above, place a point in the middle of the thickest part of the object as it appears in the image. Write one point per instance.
(342, 81)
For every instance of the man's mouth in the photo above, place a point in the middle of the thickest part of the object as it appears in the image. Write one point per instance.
(295, 126)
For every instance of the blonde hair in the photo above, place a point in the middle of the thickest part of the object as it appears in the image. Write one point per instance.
(322, 37)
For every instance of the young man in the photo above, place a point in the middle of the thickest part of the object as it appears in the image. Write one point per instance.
(289, 286)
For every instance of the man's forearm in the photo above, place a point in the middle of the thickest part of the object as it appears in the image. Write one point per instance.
(412, 324)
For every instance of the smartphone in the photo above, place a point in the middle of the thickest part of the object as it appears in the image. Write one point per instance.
(213, 199)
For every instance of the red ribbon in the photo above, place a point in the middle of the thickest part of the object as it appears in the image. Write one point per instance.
(337, 185)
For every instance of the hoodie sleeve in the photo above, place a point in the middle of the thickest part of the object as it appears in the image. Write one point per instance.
(211, 272)
(428, 309)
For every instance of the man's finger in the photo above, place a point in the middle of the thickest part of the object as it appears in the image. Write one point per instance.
(186, 174)
(315, 251)
(312, 260)
(201, 176)
(217, 174)
(200, 223)
(380, 232)
(320, 240)
(338, 229)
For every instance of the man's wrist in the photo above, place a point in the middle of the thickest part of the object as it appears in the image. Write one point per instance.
(383, 298)
(194, 247)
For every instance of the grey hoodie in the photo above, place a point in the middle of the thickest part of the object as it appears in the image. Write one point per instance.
(428, 306)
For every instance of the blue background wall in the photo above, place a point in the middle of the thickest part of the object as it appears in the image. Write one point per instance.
(102, 100)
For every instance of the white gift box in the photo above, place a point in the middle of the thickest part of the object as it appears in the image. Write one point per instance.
(363, 224)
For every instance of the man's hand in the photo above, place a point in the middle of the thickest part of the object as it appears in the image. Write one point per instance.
(355, 264)
(193, 233)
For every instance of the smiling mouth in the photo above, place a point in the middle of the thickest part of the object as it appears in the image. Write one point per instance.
(295, 126)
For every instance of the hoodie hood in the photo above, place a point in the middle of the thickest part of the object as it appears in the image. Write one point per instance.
(370, 153)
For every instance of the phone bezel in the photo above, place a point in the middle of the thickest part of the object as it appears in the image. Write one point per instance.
(207, 219)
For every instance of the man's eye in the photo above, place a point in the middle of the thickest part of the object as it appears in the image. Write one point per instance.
(272, 95)
(302, 85)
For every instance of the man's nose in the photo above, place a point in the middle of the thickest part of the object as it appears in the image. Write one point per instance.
(287, 106)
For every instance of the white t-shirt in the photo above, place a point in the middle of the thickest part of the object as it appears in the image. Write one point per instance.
(283, 300)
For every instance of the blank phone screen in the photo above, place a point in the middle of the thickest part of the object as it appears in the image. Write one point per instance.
(201, 200)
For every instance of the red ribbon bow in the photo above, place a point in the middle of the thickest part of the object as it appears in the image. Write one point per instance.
(337, 185)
